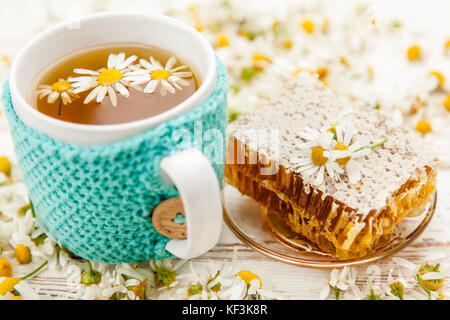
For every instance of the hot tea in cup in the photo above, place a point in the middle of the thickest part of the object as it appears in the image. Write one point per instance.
(112, 84)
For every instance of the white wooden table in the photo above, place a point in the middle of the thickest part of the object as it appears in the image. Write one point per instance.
(288, 281)
(291, 282)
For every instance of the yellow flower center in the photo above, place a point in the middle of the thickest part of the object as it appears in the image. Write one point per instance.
(109, 76)
(423, 126)
(23, 254)
(308, 26)
(161, 75)
(5, 268)
(8, 285)
(248, 277)
(261, 57)
(318, 157)
(413, 53)
(332, 128)
(288, 43)
(343, 147)
(439, 76)
(447, 45)
(447, 103)
(61, 86)
(222, 41)
(322, 72)
(5, 166)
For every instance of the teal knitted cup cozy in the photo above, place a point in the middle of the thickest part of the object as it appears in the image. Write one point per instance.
(97, 201)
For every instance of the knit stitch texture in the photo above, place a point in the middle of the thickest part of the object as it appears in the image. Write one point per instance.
(97, 201)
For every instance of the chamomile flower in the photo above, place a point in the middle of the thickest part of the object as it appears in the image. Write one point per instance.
(340, 281)
(347, 148)
(396, 286)
(344, 118)
(107, 81)
(168, 77)
(60, 89)
(312, 161)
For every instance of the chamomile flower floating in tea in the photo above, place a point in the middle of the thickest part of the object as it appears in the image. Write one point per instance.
(312, 161)
(168, 77)
(107, 81)
(105, 84)
(61, 89)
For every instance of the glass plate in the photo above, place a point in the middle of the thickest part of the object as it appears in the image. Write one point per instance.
(273, 237)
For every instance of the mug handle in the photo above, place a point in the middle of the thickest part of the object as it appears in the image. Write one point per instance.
(194, 177)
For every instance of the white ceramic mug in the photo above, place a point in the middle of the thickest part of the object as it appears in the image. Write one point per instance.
(190, 171)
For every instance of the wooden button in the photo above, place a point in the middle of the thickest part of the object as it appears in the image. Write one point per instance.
(169, 219)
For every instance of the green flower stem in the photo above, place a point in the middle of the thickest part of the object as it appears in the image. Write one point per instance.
(60, 105)
(91, 277)
(423, 287)
(373, 146)
(35, 271)
(337, 292)
(378, 144)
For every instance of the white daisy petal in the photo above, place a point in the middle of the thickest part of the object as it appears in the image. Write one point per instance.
(176, 85)
(134, 84)
(43, 93)
(112, 96)
(306, 136)
(320, 175)
(151, 86)
(324, 293)
(120, 58)
(102, 93)
(433, 276)
(312, 171)
(175, 70)
(178, 81)
(168, 86)
(337, 154)
(306, 147)
(353, 171)
(335, 167)
(301, 161)
(182, 74)
(112, 61)
(361, 142)
(82, 89)
(339, 134)
(156, 64)
(136, 76)
(92, 95)
(65, 98)
(170, 63)
(136, 73)
(348, 137)
(122, 90)
(127, 62)
(147, 65)
(86, 71)
(306, 167)
(83, 79)
(52, 97)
